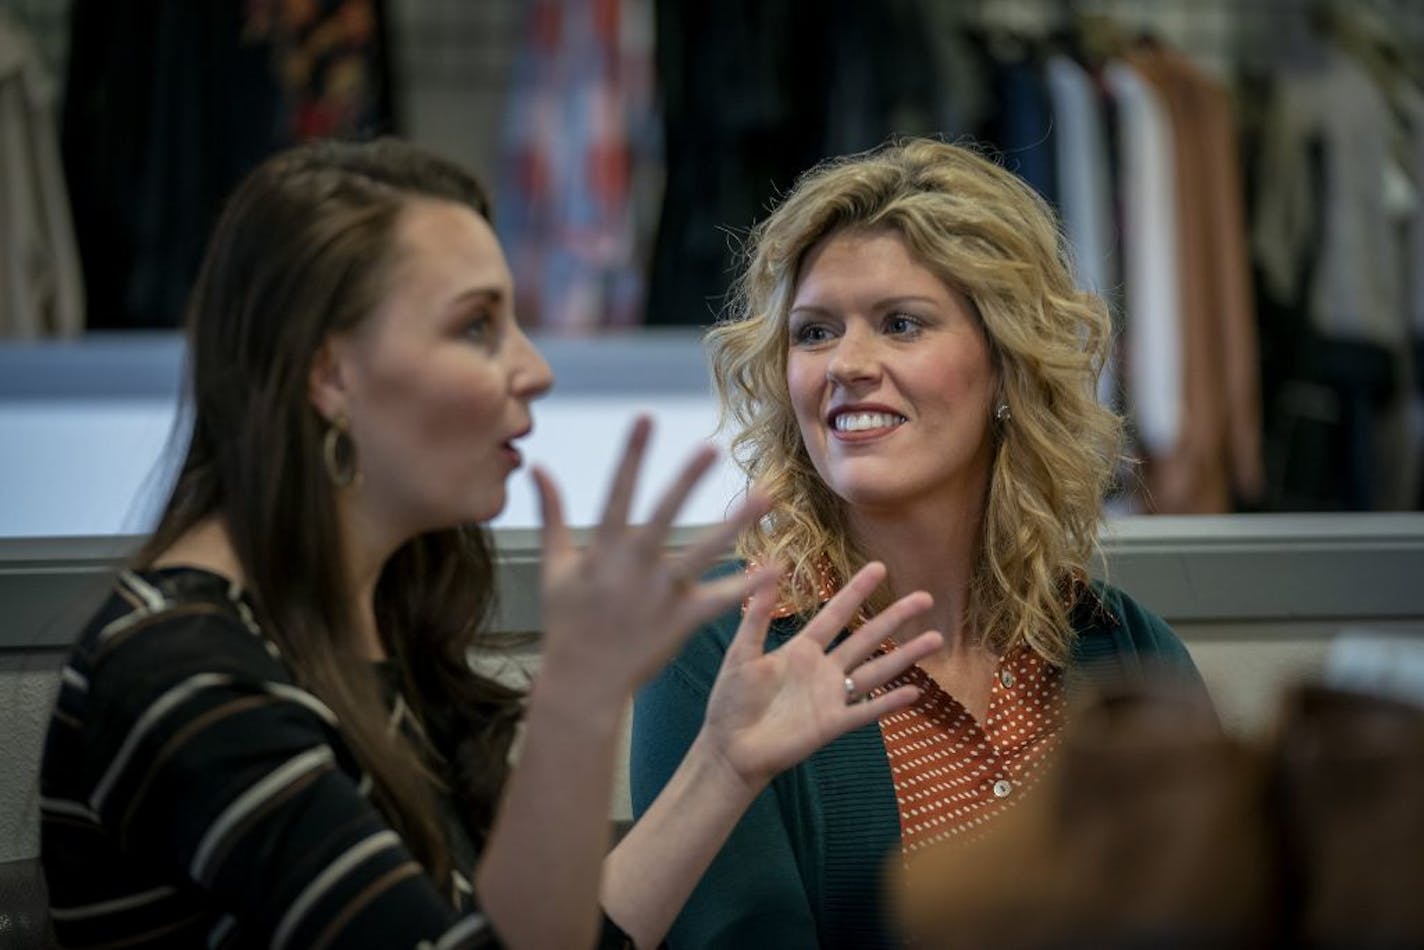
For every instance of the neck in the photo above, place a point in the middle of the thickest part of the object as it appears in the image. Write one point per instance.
(206, 545)
(367, 545)
(930, 548)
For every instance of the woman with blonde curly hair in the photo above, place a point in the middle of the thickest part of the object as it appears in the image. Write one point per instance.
(911, 377)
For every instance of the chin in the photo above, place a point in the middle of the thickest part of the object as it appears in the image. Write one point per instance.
(866, 486)
(461, 512)
(869, 500)
(488, 510)
(870, 493)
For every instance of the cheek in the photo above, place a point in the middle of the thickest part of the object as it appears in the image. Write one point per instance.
(963, 380)
(805, 384)
(438, 406)
(460, 407)
(803, 389)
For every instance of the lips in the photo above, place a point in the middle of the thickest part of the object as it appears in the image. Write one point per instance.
(512, 453)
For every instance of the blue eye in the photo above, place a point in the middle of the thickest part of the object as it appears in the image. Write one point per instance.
(810, 333)
(479, 328)
(902, 324)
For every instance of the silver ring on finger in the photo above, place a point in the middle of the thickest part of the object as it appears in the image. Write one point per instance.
(852, 695)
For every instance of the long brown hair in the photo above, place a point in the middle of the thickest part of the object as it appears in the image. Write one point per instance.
(304, 249)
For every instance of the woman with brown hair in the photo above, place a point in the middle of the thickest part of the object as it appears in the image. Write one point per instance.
(911, 378)
(271, 734)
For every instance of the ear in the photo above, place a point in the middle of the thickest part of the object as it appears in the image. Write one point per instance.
(327, 380)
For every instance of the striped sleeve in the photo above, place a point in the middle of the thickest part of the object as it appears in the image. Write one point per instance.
(201, 756)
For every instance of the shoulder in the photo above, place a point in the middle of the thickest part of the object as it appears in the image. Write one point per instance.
(1101, 605)
(1107, 620)
(171, 687)
(155, 622)
(1119, 640)
(157, 637)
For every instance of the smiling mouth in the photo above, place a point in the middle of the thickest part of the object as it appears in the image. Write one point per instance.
(866, 421)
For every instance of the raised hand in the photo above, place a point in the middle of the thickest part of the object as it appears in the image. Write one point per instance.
(767, 711)
(618, 609)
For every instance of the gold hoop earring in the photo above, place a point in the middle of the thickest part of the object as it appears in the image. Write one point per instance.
(338, 453)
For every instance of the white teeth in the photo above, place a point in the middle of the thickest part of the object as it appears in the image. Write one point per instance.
(860, 421)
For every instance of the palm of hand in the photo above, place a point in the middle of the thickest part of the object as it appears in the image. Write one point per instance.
(617, 609)
(768, 711)
(778, 708)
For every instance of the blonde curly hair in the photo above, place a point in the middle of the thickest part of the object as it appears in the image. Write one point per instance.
(986, 233)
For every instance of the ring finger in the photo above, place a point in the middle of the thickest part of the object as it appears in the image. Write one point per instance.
(863, 642)
(878, 671)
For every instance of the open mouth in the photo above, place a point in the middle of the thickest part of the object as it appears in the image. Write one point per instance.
(866, 421)
(511, 451)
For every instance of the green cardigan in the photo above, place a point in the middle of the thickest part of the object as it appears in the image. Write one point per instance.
(804, 866)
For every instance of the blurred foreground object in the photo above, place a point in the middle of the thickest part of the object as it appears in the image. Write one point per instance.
(1160, 830)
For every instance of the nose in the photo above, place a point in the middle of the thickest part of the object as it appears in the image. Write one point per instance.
(532, 376)
(854, 359)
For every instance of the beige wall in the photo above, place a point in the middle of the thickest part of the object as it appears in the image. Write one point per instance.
(1247, 666)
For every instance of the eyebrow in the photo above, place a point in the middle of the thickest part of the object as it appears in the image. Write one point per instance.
(488, 295)
(878, 305)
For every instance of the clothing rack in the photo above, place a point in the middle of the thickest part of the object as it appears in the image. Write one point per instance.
(1220, 35)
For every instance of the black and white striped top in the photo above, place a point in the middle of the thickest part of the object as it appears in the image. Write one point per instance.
(193, 795)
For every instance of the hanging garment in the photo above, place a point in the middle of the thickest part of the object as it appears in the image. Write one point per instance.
(1188, 477)
(1152, 358)
(1327, 236)
(579, 133)
(738, 125)
(333, 63)
(1085, 191)
(1355, 291)
(1023, 127)
(170, 103)
(1016, 119)
(41, 288)
(167, 105)
(746, 112)
(1218, 446)
(885, 81)
(1412, 104)
(1232, 295)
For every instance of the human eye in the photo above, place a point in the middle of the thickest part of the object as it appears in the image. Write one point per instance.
(903, 325)
(478, 327)
(809, 333)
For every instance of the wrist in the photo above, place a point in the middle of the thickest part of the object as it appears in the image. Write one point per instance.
(711, 762)
(580, 670)
(584, 702)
